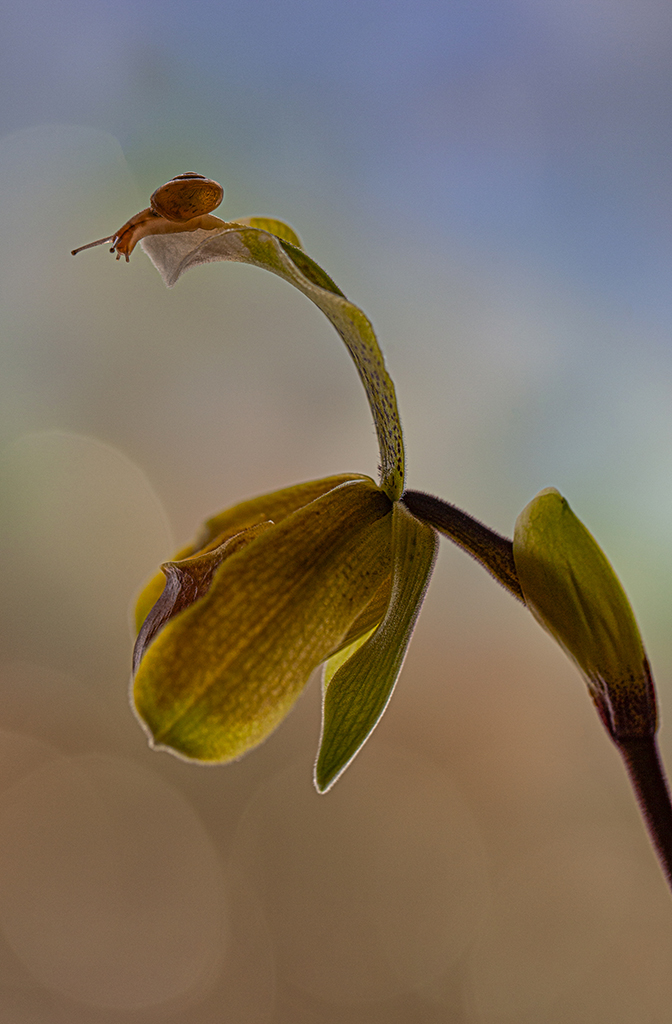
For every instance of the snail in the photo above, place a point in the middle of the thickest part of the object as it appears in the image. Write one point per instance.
(183, 204)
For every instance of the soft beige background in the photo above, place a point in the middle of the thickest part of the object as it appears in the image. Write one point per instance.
(482, 861)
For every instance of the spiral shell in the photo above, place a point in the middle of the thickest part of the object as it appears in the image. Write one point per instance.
(186, 196)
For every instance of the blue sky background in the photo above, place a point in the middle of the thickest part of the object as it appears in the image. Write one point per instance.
(492, 183)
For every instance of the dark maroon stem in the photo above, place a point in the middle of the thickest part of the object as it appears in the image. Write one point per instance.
(494, 552)
(647, 775)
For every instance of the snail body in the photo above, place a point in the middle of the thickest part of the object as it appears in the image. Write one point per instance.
(184, 203)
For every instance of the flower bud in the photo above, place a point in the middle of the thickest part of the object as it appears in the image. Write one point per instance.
(572, 590)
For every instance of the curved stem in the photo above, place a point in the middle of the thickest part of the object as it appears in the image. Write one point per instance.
(494, 552)
(647, 775)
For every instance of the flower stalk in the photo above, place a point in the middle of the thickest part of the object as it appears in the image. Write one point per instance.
(647, 776)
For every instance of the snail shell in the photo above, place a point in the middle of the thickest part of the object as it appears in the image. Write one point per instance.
(186, 196)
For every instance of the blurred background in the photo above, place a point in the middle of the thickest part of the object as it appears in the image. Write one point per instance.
(492, 183)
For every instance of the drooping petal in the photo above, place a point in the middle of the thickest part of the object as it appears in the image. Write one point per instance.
(273, 507)
(173, 254)
(358, 683)
(221, 674)
(574, 593)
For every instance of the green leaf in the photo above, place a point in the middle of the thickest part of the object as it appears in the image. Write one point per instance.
(574, 593)
(358, 683)
(173, 254)
(221, 675)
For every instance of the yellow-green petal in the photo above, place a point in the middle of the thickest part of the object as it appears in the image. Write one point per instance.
(274, 507)
(574, 593)
(221, 675)
(357, 690)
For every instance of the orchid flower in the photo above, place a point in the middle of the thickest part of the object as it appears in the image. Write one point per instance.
(333, 572)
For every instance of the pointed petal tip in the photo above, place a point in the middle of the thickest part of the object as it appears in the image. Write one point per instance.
(323, 780)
